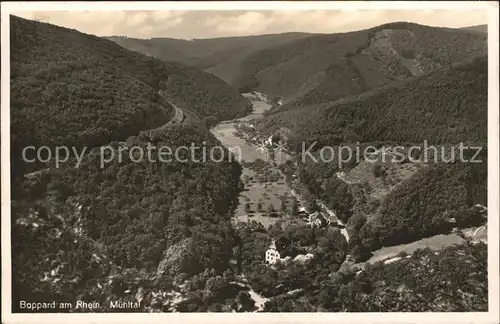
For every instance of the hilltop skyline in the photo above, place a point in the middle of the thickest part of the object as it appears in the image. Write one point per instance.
(197, 24)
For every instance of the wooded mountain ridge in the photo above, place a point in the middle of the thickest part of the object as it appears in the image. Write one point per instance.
(74, 89)
(313, 68)
(220, 56)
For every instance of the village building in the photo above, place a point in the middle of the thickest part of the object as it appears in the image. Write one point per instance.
(272, 254)
(269, 141)
(282, 250)
(317, 219)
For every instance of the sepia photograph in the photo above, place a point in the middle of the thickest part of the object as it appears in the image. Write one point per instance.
(333, 161)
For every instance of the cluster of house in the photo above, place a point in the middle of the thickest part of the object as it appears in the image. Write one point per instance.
(250, 135)
(316, 219)
(284, 251)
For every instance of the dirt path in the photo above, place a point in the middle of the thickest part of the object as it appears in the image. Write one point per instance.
(436, 242)
(258, 299)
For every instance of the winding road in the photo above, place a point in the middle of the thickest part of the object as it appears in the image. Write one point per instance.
(178, 113)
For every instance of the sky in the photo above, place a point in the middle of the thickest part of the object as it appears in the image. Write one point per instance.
(210, 24)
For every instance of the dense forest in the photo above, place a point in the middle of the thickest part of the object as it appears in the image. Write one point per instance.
(477, 29)
(308, 69)
(454, 279)
(324, 68)
(445, 107)
(74, 89)
(80, 233)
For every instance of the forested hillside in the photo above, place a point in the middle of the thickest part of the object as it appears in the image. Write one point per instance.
(74, 89)
(163, 219)
(81, 233)
(447, 106)
(328, 67)
(220, 56)
(477, 29)
(388, 203)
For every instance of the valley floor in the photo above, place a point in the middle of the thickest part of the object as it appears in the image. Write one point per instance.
(271, 193)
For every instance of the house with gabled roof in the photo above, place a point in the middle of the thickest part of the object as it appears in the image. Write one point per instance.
(272, 254)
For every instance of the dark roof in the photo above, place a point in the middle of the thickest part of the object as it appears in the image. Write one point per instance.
(290, 251)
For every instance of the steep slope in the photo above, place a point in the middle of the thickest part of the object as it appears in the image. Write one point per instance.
(389, 203)
(447, 106)
(328, 67)
(80, 90)
(220, 56)
(88, 232)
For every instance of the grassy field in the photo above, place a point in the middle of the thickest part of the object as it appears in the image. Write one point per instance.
(264, 184)
(264, 187)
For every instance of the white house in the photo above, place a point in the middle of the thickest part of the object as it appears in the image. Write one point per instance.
(272, 254)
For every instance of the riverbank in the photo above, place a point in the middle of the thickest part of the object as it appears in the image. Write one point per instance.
(261, 195)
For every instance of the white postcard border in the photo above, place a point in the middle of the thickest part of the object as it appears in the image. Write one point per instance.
(492, 316)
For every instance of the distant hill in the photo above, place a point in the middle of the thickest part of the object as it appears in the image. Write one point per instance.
(74, 89)
(477, 28)
(220, 56)
(324, 68)
(312, 68)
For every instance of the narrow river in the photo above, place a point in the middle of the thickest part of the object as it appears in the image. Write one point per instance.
(224, 131)
(260, 192)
